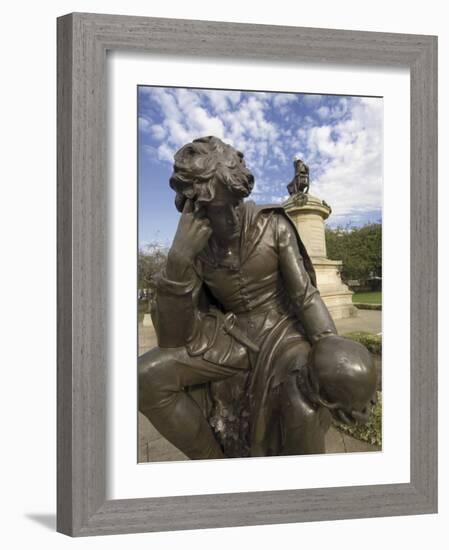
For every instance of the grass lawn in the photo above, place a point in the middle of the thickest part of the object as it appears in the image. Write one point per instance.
(367, 297)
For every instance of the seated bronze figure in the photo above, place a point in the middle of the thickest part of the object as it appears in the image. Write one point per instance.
(249, 362)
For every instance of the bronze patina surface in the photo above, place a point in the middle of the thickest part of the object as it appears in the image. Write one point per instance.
(300, 182)
(248, 361)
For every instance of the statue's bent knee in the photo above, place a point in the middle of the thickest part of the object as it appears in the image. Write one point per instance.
(155, 377)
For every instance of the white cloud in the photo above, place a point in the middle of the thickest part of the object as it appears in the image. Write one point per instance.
(339, 109)
(183, 119)
(188, 114)
(177, 132)
(221, 100)
(335, 111)
(349, 157)
(234, 97)
(205, 124)
(340, 139)
(307, 122)
(249, 127)
(280, 100)
(323, 111)
(144, 124)
(158, 131)
(150, 151)
(167, 102)
(312, 100)
(165, 152)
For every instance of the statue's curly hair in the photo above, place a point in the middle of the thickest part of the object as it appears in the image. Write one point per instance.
(203, 163)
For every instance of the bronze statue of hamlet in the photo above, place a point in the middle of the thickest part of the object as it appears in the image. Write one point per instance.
(248, 361)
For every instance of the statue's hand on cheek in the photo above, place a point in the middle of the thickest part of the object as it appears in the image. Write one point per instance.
(191, 236)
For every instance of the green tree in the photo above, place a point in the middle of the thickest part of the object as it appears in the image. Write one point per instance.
(360, 249)
(151, 261)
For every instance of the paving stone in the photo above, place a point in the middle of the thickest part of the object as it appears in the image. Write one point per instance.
(365, 321)
(153, 447)
(353, 445)
(334, 442)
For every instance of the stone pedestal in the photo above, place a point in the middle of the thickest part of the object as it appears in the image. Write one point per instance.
(308, 213)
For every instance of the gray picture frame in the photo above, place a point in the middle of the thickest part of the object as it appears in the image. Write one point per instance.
(83, 41)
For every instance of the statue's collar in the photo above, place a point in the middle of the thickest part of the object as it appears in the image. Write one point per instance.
(254, 224)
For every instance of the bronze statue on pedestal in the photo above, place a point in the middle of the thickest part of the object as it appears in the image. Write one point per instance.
(300, 183)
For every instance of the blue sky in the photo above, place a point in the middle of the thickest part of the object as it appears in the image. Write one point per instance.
(339, 137)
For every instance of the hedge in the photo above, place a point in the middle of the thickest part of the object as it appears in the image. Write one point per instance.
(371, 432)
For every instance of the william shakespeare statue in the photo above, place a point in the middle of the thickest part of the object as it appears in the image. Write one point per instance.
(248, 361)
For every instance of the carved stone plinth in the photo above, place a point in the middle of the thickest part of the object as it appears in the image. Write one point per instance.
(308, 213)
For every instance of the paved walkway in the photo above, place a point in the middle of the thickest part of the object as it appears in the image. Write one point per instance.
(367, 321)
(155, 448)
(147, 338)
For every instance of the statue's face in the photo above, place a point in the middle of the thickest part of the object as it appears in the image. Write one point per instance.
(223, 213)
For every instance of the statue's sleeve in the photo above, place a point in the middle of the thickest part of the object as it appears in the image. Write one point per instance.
(175, 309)
(305, 298)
